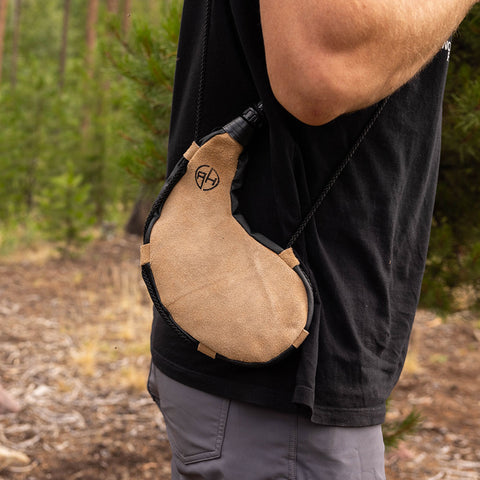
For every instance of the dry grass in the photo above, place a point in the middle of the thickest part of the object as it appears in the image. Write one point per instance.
(74, 350)
(120, 333)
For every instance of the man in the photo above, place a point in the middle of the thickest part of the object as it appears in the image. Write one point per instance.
(322, 70)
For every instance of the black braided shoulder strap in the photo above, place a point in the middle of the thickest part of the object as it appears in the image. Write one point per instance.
(336, 174)
(203, 67)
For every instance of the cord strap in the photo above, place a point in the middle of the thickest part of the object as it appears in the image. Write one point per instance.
(336, 174)
(203, 68)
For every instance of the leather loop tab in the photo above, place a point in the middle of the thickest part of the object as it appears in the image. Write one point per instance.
(300, 339)
(145, 254)
(192, 150)
(206, 351)
(289, 257)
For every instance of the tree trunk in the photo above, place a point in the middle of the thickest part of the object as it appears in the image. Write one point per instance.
(126, 16)
(112, 6)
(16, 39)
(92, 18)
(3, 19)
(63, 48)
(152, 4)
(139, 215)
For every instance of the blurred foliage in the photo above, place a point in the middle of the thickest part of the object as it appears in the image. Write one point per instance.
(104, 127)
(454, 254)
(396, 431)
(147, 59)
(64, 210)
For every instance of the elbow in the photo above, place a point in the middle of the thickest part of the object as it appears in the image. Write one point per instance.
(314, 95)
(317, 93)
(311, 108)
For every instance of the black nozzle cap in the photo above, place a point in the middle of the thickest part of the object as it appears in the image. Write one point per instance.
(243, 127)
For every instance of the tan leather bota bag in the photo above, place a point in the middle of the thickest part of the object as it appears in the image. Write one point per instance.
(232, 294)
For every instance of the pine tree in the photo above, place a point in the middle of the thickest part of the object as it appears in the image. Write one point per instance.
(454, 255)
(91, 35)
(16, 40)
(63, 49)
(65, 211)
(3, 19)
(42, 124)
(147, 58)
(397, 430)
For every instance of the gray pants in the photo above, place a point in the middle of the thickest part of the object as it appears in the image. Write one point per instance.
(214, 438)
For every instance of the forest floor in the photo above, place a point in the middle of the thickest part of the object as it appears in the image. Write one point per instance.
(74, 353)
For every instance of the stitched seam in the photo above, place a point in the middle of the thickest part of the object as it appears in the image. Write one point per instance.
(222, 425)
(292, 451)
(206, 455)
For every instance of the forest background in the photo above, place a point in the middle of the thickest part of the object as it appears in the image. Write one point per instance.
(85, 92)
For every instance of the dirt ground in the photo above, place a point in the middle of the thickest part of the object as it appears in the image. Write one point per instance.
(74, 353)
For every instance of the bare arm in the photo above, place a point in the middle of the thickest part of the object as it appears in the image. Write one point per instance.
(328, 57)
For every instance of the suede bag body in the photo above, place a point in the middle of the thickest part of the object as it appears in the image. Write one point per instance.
(230, 295)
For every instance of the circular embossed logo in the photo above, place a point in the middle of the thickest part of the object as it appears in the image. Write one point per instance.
(206, 177)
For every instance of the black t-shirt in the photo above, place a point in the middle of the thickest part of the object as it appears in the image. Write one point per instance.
(366, 246)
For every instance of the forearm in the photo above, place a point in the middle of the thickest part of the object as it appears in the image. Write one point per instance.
(326, 58)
